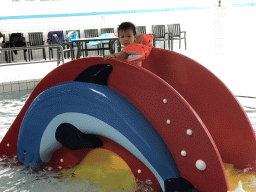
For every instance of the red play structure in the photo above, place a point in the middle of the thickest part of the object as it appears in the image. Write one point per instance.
(188, 105)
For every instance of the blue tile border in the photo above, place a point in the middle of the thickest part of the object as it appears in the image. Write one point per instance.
(117, 12)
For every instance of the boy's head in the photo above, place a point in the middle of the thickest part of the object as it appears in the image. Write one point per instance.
(1, 38)
(126, 26)
(126, 33)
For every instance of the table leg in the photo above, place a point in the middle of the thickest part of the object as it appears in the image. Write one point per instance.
(172, 43)
(78, 50)
(168, 41)
(72, 52)
(119, 46)
(112, 46)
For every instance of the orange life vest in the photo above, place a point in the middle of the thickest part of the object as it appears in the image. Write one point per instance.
(139, 52)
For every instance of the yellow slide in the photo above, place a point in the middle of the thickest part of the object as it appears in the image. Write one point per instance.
(105, 168)
(245, 176)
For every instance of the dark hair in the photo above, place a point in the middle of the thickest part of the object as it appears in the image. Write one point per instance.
(126, 26)
(1, 35)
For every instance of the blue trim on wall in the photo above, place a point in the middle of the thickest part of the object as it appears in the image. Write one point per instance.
(117, 12)
(101, 13)
(244, 5)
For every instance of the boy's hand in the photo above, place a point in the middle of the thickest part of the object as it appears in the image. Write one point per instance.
(106, 57)
(139, 40)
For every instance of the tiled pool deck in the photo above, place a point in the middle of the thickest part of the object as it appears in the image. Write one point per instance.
(14, 86)
(23, 77)
(234, 70)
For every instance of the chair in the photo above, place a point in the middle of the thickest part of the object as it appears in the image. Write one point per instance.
(91, 33)
(106, 30)
(69, 50)
(141, 30)
(78, 31)
(4, 45)
(16, 40)
(51, 40)
(79, 36)
(175, 34)
(159, 34)
(88, 33)
(35, 39)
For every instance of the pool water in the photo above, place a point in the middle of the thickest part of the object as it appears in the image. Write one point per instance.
(14, 177)
(10, 106)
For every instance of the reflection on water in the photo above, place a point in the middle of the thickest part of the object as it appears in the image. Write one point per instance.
(10, 106)
(14, 178)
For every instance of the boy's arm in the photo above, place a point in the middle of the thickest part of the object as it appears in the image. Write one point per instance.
(119, 55)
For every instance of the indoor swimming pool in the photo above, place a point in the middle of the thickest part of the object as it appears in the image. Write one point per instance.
(210, 31)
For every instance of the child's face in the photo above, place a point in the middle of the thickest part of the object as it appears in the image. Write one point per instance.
(126, 37)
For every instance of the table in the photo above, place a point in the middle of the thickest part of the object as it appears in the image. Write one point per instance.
(111, 47)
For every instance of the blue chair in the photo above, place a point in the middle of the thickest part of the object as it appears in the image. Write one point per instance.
(74, 45)
(51, 40)
(68, 50)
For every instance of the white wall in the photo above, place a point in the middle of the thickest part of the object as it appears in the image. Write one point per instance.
(189, 19)
(232, 26)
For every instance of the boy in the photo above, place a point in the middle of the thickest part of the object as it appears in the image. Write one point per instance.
(137, 48)
(1, 41)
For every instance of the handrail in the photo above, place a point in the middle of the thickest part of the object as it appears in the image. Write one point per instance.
(34, 47)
